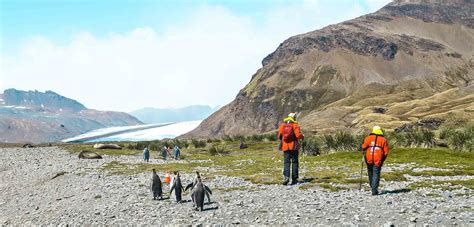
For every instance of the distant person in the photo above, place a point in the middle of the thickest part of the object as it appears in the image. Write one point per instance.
(169, 151)
(176, 152)
(289, 133)
(376, 150)
(164, 152)
(146, 154)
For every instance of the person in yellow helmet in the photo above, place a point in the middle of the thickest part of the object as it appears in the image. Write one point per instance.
(376, 151)
(289, 133)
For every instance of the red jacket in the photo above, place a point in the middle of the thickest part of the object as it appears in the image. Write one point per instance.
(376, 149)
(292, 145)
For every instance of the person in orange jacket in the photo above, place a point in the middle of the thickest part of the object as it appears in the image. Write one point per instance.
(289, 133)
(376, 151)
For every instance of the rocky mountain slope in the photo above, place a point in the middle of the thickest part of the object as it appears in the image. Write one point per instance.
(410, 60)
(32, 116)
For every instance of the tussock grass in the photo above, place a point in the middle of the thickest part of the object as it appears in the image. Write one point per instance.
(459, 138)
(198, 143)
(416, 138)
(218, 149)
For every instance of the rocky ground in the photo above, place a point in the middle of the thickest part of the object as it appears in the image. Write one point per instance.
(52, 186)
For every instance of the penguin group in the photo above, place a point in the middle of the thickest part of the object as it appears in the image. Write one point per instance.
(198, 190)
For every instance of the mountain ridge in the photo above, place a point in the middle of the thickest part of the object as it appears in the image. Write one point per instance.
(39, 117)
(334, 76)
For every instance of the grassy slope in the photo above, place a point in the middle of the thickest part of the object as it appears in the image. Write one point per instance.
(262, 163)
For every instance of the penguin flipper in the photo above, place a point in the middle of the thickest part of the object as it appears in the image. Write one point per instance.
(208, 197)
(190, 185)
(172, 188)
(207, 189)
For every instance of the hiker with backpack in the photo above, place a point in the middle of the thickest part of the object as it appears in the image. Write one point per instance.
(165, 152)
(376, 151)
(289, 133)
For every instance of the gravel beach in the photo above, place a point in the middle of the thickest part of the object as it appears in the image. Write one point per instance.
(48, 185)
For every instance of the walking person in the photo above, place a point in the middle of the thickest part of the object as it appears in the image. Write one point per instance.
(146, 154)
(164, 152)
(376, 151)
(176, 152)
(289, 133)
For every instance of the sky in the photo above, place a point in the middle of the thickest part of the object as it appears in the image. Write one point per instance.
(124, 55)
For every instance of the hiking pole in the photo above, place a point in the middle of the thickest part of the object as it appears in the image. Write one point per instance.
(303, 154)
(361, 169)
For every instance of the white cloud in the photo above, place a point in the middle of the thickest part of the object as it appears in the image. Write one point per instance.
(204, 60)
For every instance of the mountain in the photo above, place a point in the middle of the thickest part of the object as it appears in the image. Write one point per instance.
(37, 117)
(190, 113)
(48, 99)
(410, 61)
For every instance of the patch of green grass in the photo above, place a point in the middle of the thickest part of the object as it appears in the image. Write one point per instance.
(394, 176)
(438, 158)
(465, 183)
(464, 194)
(330, 187)
(453, 172)
(434, 195)
(445, 185)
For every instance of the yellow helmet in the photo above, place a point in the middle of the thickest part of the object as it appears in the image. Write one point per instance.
(377, 130)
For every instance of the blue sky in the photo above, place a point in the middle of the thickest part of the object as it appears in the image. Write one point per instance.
(176, 46)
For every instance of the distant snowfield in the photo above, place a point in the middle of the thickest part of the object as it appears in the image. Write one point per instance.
(137, 133)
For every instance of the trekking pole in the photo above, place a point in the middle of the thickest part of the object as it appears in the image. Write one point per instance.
(361, 169)
(303, 154)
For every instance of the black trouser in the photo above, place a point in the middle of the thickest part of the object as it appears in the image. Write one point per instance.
(290, 158)
(374, 176)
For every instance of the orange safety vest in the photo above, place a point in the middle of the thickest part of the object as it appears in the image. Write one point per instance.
(376, 149)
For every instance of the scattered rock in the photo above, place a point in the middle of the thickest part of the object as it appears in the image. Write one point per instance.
(357, 217)
(27, 145)
(58, 174)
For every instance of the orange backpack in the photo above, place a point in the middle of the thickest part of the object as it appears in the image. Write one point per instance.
(288, 133)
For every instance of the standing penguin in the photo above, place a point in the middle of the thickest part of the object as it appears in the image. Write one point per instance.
(156, 186)
(177, 187)
(198, 195)
(193, 184)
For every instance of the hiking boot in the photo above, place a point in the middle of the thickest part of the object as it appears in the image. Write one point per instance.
(293, 182)
(286, 181)
(375, 192)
